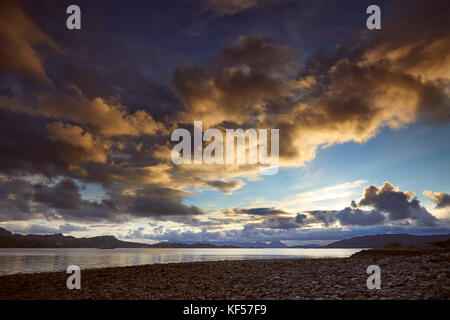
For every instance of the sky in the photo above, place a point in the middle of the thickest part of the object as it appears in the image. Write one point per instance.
(87, 118)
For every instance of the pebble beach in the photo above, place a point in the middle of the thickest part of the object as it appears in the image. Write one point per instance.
(425, 276)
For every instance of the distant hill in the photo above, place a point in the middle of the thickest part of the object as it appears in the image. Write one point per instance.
(276, 244)
(188, 245)
(11, 240)
(379, 240)
(257, 244)
(396, 249)
(308, 246)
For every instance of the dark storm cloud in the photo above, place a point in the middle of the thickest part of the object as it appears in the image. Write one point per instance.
(22, 200)
(300, 218)
(397, 204)
(276, 223)
(103, 77)
(237, 80)
(225, 186)
(36, 146)
(260, 211)
(103, 61)
(256, 52)
(72, 150)
(16, 201)
(32, 145)
(63, 195)
(143, 202)
(349, 216)
(280, 223)
(326, 217)
(272, 218)
(155, 201)
(357, 217)
(22, 140)
(443, 200)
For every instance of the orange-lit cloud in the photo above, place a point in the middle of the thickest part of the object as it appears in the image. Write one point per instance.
(18, 38)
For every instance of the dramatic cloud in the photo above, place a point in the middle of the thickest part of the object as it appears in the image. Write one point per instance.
(389, 206)
(19, 37)
(16, 201)
(346, 217)
(260, 211)
(237, 82)
(397, 204)
(441, 199)
(109, 118)
(280, 223)
(252, 84)
(99, 107)
(422, 49)
(63, 195)
(22, 200)
(256, 82)
(325, 217)
(91, 147)
(276, 223)
(357, 217)
(226, 186)
(300, 218)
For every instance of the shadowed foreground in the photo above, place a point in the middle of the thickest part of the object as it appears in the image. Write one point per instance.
(402, 277)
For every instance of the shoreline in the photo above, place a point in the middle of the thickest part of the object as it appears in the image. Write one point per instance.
(169, 264)
(424, 276)
(86, 257)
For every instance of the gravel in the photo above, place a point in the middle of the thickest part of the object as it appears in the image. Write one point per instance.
(402, 277)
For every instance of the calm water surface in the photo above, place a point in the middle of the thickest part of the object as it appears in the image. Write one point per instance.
(44, 260)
